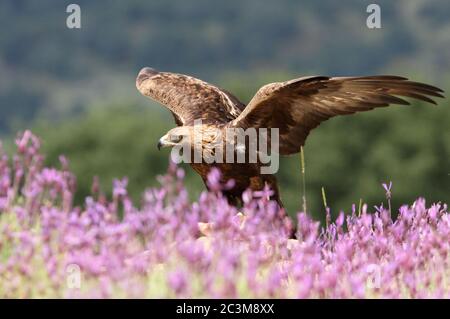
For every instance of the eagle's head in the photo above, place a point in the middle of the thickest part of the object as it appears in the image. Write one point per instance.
(200, 141)
(177, 136)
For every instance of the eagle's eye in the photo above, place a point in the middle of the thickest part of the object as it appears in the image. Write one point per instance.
(176, 138)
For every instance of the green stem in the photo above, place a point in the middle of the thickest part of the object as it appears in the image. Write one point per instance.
(302, 162)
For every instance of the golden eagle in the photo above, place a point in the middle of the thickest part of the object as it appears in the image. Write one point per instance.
(294, 107)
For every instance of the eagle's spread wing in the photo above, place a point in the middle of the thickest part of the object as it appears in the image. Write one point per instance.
(299, 105)
(189, 98)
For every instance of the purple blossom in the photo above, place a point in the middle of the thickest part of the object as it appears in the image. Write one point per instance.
(387, 188)
(120, 187)
(158, 249)
(178, 282)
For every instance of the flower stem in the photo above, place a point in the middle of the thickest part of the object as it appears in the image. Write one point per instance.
(302, 162)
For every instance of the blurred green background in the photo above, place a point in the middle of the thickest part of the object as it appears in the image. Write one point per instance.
(75, 88)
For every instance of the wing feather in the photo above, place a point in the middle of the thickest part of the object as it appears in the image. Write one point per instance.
(189, 98)
(298, 106)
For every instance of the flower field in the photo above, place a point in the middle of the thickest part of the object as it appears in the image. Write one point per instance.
(168, 247)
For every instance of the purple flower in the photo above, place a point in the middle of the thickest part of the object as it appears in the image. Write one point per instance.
(214, 180)
(156, 249)
(178, 282)
(387, 188)
(120, 187)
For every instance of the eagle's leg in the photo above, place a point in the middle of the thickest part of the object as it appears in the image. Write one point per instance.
(233, 199)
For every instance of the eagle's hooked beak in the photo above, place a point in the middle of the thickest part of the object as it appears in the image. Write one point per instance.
(168, 141)
(160, 144)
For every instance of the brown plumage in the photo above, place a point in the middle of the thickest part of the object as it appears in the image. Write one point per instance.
(295, 107)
